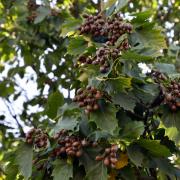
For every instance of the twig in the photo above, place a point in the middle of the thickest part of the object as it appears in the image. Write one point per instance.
(14, 117)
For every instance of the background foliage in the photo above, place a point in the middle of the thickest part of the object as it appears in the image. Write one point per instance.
(42, 49)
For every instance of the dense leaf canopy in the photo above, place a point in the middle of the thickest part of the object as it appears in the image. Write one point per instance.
(98, 84)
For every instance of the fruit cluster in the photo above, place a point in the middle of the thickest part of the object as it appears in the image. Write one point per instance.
(111, 29)
(116, 28)
(109, 157)
(70, 145)
(37, 137)
(88, 98)
(32, 7)
(172, 95)
(103, 56)
(95, 25)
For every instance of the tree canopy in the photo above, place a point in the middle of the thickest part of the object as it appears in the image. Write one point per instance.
(89, 89)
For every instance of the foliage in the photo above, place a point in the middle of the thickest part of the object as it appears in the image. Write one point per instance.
(126, 126)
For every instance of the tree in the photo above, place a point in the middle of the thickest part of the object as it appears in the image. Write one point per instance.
(121, 123)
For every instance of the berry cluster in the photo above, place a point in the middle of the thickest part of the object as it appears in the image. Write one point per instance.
(94, 25)
(37, 137)
(88, 98)
(111, 29)
(70, 145)
(172, 95)
(109, 157)
(116, 27)
(103, 56)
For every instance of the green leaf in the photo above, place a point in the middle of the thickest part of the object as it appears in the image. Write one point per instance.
(135, 154)
(132, 130)
(121, 4)
(24, 157)
(147, 93)
(125, 101)
(105, 118)
(97, 172)
(62, 170)
(6, 89)
(168, 168)
(55, 100)
(42, 13)
(117, 85)
(171, 119)
(141, 17)
(165, 68)
(69, 26)
(148, 40)
(133, 56)
(66, 122)
(77, 45)
(154, 147)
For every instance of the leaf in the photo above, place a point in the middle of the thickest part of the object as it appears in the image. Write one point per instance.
(132, 130)
(24, 157)
(165, 68)
(171, 119)
(135, 154)
(42, 13)
(62, 170)
(105, 118)
(66, 122)
(117, 85)
(141, 17)
(6, 89)
(165, 166)
(97, 172)
(121, 4)
(154, 147)
(77, 45)
(55, 100)
(125, 101)
(146, 93)
(69, 26)
(122, 161)
(148, 40)
(133, 56)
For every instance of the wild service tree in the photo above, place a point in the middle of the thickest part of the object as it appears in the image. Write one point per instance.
(122, 123)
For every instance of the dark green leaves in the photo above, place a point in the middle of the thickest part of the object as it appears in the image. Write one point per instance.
(171, 119)
(55, 100)
(125, 101)
(69, 26)
(77, 45)
(132, 130)
(135, 154)
(165, 68)
(154, 147)
(105, 118)
(24, 157)
(69, 116)
(133, 56)
(42, 13)
(97, 172)
(119, 84)
(62, 170)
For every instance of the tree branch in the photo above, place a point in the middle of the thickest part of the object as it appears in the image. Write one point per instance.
(14, 116)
